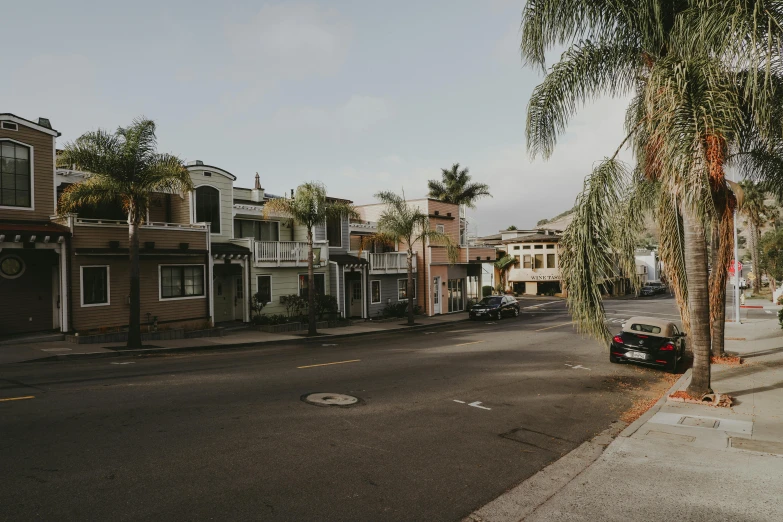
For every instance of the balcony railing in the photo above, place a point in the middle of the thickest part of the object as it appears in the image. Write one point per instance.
(124, 223)
(389, 262)
(289, 253)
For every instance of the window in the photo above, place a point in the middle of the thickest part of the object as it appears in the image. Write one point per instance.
(538, 247)
(550, 261)
(181, 282)
(207, 174)
(15, 189)
(550, 246)
(527, 263)
(95, 285)
(402, 289)
(516, 262)
(538, 261)
(11, 267)
(320, 284)
(9, 125)
(258, 230)
(334, 231)
(265, 288)
(375, 292)
(516, 247)
(525, 247)
(208, 207)
(441, 229)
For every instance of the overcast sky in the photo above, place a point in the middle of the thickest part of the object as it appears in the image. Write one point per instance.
(362, 95)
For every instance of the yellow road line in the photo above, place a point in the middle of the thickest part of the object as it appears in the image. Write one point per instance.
(328, 364)
(550, 327)
(465, 344)
(17, 398)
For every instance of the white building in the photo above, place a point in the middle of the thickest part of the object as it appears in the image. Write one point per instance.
(648, 266)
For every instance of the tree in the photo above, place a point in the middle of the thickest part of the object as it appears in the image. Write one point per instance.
(310, 208)
(503, 265)
(771, 256)
(512, 227)
(755, 211)
(699, 102)
(124, 168)
(401, 223)
(455, 187)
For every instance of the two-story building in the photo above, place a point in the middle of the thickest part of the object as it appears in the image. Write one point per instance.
(440, 285)
(537, 262)
(34, 280)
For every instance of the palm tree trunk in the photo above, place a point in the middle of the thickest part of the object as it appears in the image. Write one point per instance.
(134, 321)
(698, 301)
(721, 252)
(408, 293)
(311, 330)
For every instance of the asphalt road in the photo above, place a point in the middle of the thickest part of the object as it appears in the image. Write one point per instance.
(226, 436)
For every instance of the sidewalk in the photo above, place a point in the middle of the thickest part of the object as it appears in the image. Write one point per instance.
(241, 338)
(678, 461)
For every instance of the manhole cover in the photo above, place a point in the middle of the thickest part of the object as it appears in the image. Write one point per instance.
(330, 399)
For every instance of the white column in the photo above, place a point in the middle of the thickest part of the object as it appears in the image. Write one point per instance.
(246, 277)
(64, 297)
(364, 293)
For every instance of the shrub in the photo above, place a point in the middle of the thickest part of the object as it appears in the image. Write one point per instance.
(294, 304)
(325, 306)
(257, 305)
(271, 319)
(486, 290)
(399, 309)
(780, 317)
(780, 299)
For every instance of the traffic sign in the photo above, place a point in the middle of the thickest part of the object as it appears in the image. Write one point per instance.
(737, 264)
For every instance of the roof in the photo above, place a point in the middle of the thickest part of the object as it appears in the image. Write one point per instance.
(43, 124)
(533, 238)
(211, 168)
(348, 260)
(665, 326)
(27, 229)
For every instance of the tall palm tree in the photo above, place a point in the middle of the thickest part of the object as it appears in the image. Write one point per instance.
(698, 96)
(503, 265)
(455, 187)
(310, 207)
(401, 223)
(124, 167)
(754, 209)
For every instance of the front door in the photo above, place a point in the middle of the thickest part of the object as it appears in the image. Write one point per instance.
(356, 298)
(239, 298)
(436, 295)
(224, 298)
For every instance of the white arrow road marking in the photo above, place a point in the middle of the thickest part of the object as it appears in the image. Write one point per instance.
(461, 402)
(577, 367)
(477, 404)
(768, 311)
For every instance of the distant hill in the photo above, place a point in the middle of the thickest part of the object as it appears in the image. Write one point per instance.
(648, 239)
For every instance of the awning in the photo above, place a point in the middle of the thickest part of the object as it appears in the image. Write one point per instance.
(229, 250)
(15, 232)
(348, 261)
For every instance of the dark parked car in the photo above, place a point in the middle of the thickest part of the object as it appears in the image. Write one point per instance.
(648, 340)
(658, 287)
(648, 290)
(495, 307)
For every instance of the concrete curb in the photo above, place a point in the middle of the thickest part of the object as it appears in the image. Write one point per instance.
(638, 423)
(235, 346)
(521, 501)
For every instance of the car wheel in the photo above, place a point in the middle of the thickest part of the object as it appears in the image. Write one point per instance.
(672, 366)
(613, 359)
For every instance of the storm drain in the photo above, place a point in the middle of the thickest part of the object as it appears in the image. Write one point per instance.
(330, 399)
(699, 422)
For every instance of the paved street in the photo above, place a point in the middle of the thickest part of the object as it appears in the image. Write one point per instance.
(449, 418)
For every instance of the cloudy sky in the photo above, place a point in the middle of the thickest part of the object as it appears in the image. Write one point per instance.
(362, 95)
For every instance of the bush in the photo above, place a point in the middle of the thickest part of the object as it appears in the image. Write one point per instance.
(294, 304)
(271, 319)
(257, 305)
(325, 306)
(399, 309)
(780, 317)
(780, 299)
(486, 290)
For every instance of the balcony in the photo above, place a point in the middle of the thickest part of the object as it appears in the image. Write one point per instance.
(465, 254)
(288, 253)
(389, 262)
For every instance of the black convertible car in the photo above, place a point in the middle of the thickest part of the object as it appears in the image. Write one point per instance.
(495, 307)
(650, 341)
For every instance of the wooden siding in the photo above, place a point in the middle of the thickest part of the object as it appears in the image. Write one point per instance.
(85, 236)
(285, 281)
(116, 313)
(388, 291)
(43, 174)
(27, 300)
(226, 187)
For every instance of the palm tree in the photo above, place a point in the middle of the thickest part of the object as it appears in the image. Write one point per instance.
(700, 100)
(456, 187)
(503, 265)
(407, 224)
(754, 209)
(309, 208)
(124, 167)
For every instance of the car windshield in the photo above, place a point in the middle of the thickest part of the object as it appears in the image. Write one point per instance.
(646, 328)
(490, 301)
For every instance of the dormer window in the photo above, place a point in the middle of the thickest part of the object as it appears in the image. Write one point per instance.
(207, 174)
(15, 178)
(208, 207)
(9, 125)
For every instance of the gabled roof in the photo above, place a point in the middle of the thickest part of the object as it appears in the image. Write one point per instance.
(202, 166)
(43, 124)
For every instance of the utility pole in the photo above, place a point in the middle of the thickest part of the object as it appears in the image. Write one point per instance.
(736, 270)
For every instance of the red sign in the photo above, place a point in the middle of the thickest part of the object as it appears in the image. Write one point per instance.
(734, 264)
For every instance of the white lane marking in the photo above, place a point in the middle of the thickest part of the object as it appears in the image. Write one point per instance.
(490, 323)
(640, 312)
(769, 312)
(120, 363)
(577, 367)
(55, 349)
(461, 402)
(328, 345)
(477, 404)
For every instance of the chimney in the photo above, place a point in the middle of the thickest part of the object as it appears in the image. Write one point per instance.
(257, 192)
(44, 122)
(258, 182)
